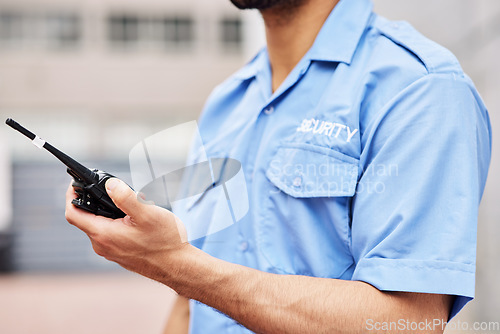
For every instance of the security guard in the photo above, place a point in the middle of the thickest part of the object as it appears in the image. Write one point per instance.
(365, 151)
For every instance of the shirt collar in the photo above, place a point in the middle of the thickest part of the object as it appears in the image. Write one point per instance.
(255, 65)
(336, 41)
(342, 31)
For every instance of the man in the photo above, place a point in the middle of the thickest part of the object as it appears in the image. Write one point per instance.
(365, 151)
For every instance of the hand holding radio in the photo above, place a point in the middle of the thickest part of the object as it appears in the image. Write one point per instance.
(147, 237)
(122, 228)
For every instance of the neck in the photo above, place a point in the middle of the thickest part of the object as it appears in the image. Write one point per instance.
(290, 33)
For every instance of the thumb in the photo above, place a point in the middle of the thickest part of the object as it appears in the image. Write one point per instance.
(124, 197)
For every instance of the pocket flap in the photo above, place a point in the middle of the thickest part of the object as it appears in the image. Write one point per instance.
(304, 170)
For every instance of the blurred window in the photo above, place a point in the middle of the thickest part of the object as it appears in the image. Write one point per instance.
(123, 29)
(63, 30)
(150, 32)
(231, 33)
(11, 27)
(178, 29)
(37, 30)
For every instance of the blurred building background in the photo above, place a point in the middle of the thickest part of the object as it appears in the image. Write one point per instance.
(94, 77)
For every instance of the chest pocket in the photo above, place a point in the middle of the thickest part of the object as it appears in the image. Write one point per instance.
(305, 170)
(305, 224)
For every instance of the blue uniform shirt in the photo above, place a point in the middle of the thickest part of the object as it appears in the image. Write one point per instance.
(368, 163)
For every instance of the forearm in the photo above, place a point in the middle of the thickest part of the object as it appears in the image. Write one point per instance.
(270, 303)
(151, 241)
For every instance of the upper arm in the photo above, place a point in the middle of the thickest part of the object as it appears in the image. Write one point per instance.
(425, 158)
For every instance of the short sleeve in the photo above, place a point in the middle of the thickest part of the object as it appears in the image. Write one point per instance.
(424, 162)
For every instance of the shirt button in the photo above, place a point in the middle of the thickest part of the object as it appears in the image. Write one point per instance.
(269, 110)
(297, 182)
(243, 246)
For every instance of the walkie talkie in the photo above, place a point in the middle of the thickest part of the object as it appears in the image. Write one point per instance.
(89, 184)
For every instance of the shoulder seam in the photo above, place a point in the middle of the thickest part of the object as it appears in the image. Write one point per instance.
(393, 31)
(391, 100)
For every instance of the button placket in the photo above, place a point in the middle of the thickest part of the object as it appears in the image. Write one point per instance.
(244, 246)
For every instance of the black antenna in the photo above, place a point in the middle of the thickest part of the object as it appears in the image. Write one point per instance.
(82, 172)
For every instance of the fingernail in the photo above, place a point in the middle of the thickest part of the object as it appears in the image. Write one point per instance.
(112, 183)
